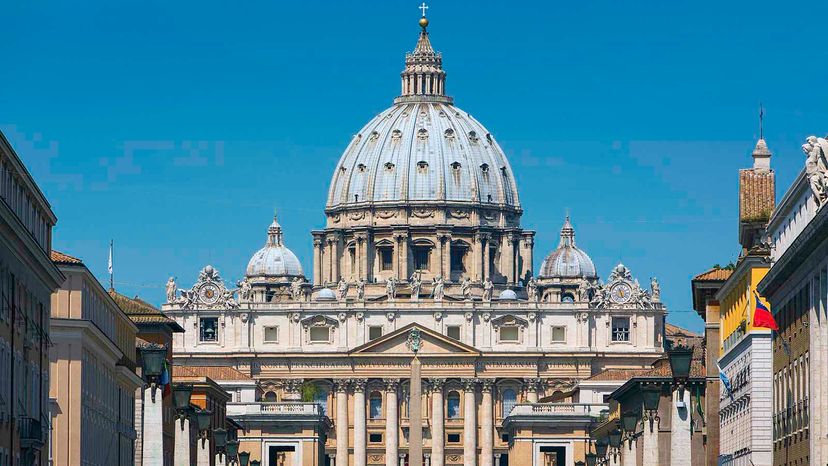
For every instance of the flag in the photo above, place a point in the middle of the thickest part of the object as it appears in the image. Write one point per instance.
(164, 380)
(762, 317)
(725, 382)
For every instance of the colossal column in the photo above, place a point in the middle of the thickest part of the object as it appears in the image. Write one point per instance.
(359, 421)
(470, 422)
(487, 423)
(437, 420)
(341, 422)
(392, 441)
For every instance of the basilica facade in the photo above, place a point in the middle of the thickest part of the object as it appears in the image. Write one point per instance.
(422, 231)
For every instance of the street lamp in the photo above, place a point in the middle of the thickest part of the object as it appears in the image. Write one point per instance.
(629, 423)
(681, 358)
(258, 463)
(181, 400)
(601, 447)
(591, 459)
(153, 356)
(220, 439)
(231, 451)
(651, 395)
(244, 458)
(203, 419)
(615, 442)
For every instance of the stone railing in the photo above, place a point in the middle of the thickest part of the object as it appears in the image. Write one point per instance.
(275, 409)
(558, 409)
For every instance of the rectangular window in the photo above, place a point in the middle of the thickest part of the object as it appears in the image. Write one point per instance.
(509, 333)
(208, 329)
(375, 438)
(374, 332)
(453, 438)
(620, 329)
(320, 334)
(453, 331)
(386, 258)
(558, 334)
(421, 255)
(271, 334)
(457, 256)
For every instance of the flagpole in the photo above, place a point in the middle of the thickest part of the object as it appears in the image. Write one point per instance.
(111, 274)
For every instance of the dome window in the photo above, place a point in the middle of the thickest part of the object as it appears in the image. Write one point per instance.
(489, 137)
(389, 166)
(374, 136)
(361, 168)
(449, 133)
(422, 167)
(455, 166)
(473, 137)
(422, 134)
(396, 135)
(484, 168)
(343, 169)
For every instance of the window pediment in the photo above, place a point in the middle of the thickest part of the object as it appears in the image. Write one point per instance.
(509, 320)
(318, 321)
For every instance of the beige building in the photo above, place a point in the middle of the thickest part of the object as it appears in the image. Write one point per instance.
(422, 232)
(93, 381)
(27, 279)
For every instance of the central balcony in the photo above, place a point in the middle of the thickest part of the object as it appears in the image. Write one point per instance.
(286, 412)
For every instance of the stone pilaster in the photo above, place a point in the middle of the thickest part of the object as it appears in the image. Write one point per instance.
(438, 455)
(182, 442)
(203, 452)
(487, 423)
(470, 422)
(153, 429)
(360, 441)
(341, 387)
(392, 430)
(680, 448)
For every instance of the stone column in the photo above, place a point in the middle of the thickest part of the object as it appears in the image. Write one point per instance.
(341, 387)
(532, 386)
(486, 250)
(415, 415)
(317, 260)
(447, 257)
(628, 454)
(392, 431)
(203, 452)
(365, 250)
(437, 423)
(182, 442)
(487, 423)
(360, 440)
(334, 242)
(402, 256)
(470, 422)
(476, 258)
(680, 431)
(508, 257)
(152, 437)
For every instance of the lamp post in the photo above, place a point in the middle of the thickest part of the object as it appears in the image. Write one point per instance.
(182, 393)
(629, 424)
(203, 420)
(681, 358)
(601, 447)
(152, 364)
(651, 395)
(181, 402)
(220, 440)
(591, 459)
(615, 442)
(231, 451)
(244, 458)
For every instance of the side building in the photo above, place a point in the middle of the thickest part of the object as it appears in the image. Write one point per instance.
(27, 280)
(93, 381)
(797, 287)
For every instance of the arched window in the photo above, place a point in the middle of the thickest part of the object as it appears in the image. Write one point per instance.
(567, 298)
(321, 398)
(269, 397)
(509, 401)
(375, 405)
(453, 405)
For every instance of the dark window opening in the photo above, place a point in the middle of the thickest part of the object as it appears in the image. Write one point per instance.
(386, 258)
(453, 331)
(375, 438)
(208, 329)
(453, 438)
(458, 254)
(421, 257)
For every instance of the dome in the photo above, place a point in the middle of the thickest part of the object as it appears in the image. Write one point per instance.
(326, 294)
(274, 259)
(507, 295)
(422, 149)
(567, 261)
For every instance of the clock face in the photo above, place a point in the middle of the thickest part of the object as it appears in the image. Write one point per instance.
(621, 293)
(209, 294)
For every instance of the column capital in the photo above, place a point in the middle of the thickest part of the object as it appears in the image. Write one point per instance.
(341, 385)
(532, 384)
(391, 385)
(436, 385)
(486, 385)
(358, 385)
(470, 385)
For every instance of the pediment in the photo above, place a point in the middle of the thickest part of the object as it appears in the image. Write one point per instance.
(433, 344)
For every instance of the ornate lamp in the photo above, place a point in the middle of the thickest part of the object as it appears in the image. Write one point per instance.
(680, 359)
(651, 394)
(203, 419)
(629, 424)
(601, 447)
(591, 459)
(220, 439)
(231, 451)
(152, 364)
(181, 400)
(244, 458)
(615, 438)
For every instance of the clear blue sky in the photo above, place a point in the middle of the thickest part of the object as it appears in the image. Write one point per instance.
(176, 128)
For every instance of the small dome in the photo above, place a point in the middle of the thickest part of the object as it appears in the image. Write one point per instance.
(507, 295)
(274, 259)
(567, 261)
(326, 294)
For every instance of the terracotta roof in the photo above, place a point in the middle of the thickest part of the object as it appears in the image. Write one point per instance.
(714, 275)
(61, 258)
(660, 368)
(140, 311)
(618, 374)
(212, 372)
(756, 195)
(675, 330)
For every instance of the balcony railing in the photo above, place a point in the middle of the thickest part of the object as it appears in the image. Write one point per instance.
(557, 410)
(275, 409)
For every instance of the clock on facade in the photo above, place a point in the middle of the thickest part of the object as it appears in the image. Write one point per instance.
(209, 294)
(621, 293)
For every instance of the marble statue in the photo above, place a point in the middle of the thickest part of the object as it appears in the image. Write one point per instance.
(655, 290)
(343, 289)
(230, 300)
(532, 289)
(360, 289)
(816, 168)
(185, 298)
(391, 288)
(416, 282)
(171, 290)
(245, 289)
(296, 289)
(465, 288)
(488, 289)
(439, 288)
(583, 291)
